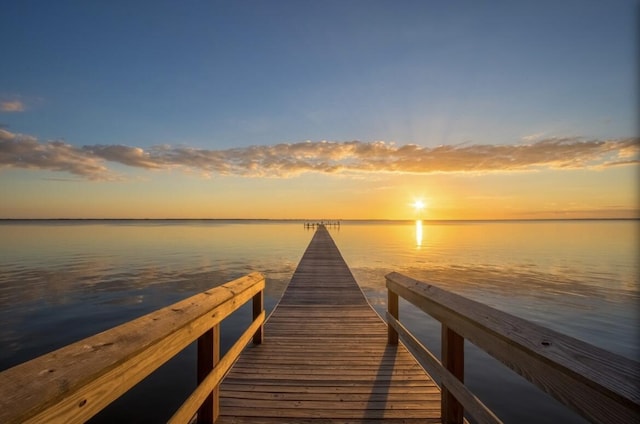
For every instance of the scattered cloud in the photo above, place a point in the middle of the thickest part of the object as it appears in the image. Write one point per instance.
(23, 151)
(130, 156)
(12, 106)
(533, 137)
(290, 159)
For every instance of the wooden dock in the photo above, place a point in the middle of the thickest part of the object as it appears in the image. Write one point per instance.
(325, 357)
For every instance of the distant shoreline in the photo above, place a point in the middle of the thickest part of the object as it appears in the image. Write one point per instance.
(303, 220)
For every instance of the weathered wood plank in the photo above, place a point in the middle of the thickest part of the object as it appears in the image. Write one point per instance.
(387, 385)
(325, 356)
(329, 411)
(366, 389)
(412, 396)
(316, 404)
(276, 420)
(331, 366)
(336, 379)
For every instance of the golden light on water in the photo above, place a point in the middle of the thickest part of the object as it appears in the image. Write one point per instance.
(418, 233)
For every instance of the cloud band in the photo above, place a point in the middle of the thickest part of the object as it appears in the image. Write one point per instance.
(289, 159)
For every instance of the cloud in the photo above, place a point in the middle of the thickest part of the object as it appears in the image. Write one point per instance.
(533, 137)
(22, 151)
(130, 156)
(330, 157)
(12, 106)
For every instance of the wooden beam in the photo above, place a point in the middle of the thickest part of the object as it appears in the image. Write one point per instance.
(392, 309)
(258, 308)
(453, 361)
(208, 357)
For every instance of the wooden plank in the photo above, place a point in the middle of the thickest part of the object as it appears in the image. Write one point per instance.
(452, 361)
(276, 420)
(380, 403)
(329, 411)
(325, 356)
(392, 308)
(355, 389)
(258, 309)
(433, 396)
(277, 365)
(208, 357)
(385, 384)
(597, 384)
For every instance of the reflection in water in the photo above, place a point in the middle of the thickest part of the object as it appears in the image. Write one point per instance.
(418, 233)
(577, 277)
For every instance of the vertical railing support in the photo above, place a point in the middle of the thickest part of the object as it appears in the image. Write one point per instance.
(208, 357)
(258, 307)
(392, 308)
(453, 361)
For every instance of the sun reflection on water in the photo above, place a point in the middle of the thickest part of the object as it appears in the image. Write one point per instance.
(418, 233)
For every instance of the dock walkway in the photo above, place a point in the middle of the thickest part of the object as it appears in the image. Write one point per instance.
(325, 357)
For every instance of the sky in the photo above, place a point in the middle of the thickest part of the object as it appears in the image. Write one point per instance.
(319, 109)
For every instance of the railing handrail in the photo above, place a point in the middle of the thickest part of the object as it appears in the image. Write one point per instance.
(77, 381)
(599, 385)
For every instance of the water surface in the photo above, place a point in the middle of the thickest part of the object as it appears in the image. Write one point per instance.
(61, 281)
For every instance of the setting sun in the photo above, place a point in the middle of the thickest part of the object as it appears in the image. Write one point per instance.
(418, 205)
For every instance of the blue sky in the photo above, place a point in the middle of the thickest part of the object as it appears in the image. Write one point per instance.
(219, 75)
(242, 73)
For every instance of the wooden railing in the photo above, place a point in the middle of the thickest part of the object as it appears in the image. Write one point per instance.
(72, 384)
(599, 385)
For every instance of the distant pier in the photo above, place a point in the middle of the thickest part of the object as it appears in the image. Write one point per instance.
(331, 223)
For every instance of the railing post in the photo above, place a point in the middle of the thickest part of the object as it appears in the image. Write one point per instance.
(392, 308)
(453, 361)
(258, 307)
(208, 357)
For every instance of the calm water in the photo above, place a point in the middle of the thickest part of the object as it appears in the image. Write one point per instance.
(61, 281)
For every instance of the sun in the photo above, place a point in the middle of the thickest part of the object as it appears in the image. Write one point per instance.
(418, 205)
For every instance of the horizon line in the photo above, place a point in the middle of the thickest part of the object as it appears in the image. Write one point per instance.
(320, 220)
